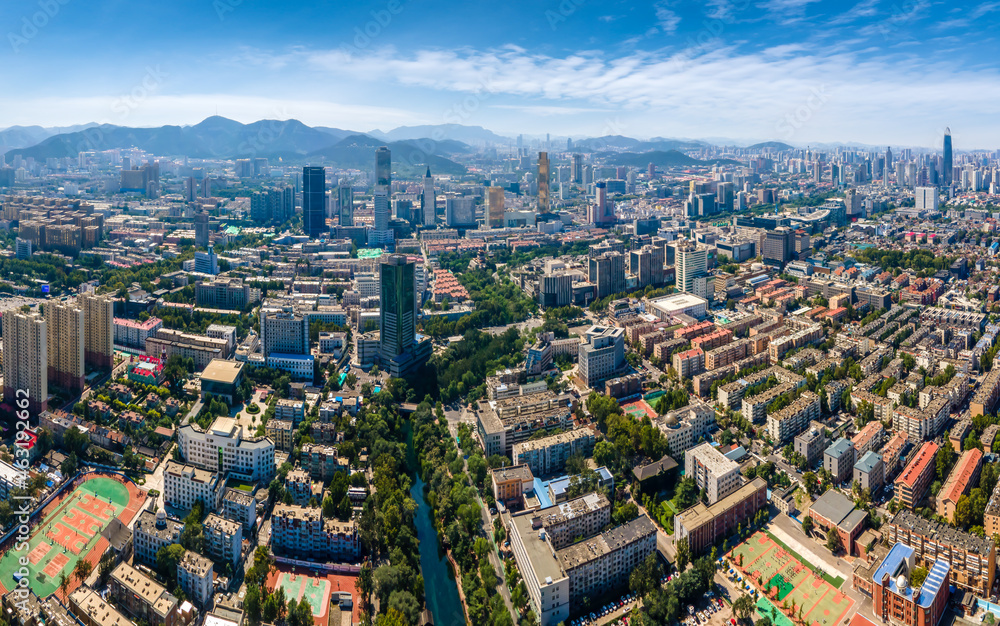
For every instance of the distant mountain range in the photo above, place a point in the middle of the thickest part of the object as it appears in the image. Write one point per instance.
(414, 148)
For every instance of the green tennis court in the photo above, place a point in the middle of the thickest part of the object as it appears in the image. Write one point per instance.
(66, 535)
(784, 587)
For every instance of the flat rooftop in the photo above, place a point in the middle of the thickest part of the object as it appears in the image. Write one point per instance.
(222, 371)
(544, 563)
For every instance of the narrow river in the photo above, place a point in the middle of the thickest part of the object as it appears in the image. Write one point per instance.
(439, 585)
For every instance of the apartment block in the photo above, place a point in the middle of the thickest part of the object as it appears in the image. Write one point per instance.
(963, 477)
(99, 335)
(785, 424)
(703, 526)
(303, 532)
(153, 531)
(896, 602)
(142, 597)
(712, 471)
(549, 454)
(913, 483)
(321, 462)
(223, 448)
(184, 485)
(195, 577)
(223, 539)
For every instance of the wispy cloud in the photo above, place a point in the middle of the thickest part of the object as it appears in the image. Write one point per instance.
(666, 18)
(983, 9)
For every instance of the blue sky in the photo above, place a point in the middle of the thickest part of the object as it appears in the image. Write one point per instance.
(871, 71)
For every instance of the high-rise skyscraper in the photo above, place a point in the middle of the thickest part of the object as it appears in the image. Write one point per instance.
(345, 204)
(383, 166)
(543, 182)
(66, 325)
(607, 272)
(691, 264)
(578, 168)
(99, 316)
(201, 229)
(397, 316)
(494, 207)
(428, 200)
(948, 164)
(313, 201)
(25, 361)
(381, 203)
(778, 246)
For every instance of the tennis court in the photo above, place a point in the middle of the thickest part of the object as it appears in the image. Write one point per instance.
(315, 587)
(788, 584)
(70, 529)
(639, 409)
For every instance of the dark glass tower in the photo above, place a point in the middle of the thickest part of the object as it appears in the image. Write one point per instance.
(947, 165)
(313, 201)
(383, 166)
(345, 201)
(397, 311)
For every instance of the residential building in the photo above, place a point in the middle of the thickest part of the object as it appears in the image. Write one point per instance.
(99, 335)
(222, 379)
(869, 472)
(153, 531)
(25, 361)
(510, 483)
(65, 325)
(503, 423)
(133, 334)
(972, 557)
(184, 485)
(195, 576)
(549, 454)
(142, 597)
(223, 539)
(963, 477)
(201, 348)
(602, 356)
(788, 422)
(226, 293)
(303, 532)
(811, 444)
(93, 610)
(712, 471)
(240, 506)
(913, 483)
(322, 461)
(838, 459)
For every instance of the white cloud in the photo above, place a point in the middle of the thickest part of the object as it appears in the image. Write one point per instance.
(667, 19)
(984, 8)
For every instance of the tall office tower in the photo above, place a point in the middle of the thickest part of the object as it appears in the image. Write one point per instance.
(947, 165)
(926, 198)
(345, 204)
(651, 171)
(283, 332)
(428, 200)
(607, 272)
(25, 361)
(691, 265)
(313, 201)
(201, 229)
(397, 317)
(244, 168)
(383, 166)
(647, 265)
(206, 187)
(543, 182)
(494, 207)
(601, 202)
(900, 174)
(66, 325)
(888, 157)
(381, 202)
(190, 189)
(911, 175)
(99, 317)
(577, 169)
(459, 212)
(724, 195)
(261, 168)
(778, 246)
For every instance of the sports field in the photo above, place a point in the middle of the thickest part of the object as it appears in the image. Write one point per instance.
(788, 584)
(316, 588)
(639, 409)
(69, 531)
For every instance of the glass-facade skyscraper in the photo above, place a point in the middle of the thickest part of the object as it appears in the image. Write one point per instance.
(397, 310)
(947, 165)
(313, 201)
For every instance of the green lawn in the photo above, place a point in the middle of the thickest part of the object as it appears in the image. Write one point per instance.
(836, 582)
(239, 485)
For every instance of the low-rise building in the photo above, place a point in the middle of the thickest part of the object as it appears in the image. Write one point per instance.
(93, 610)
(704, 525)
(811, 444)
(223, 539)
(835, 510)
(195, 577)
(898, 601)
(549, 454)
(142, 597)
(183, 485)
(838, 459)
(963, 477)
(869, 472)
(510, 484)
(712, 471)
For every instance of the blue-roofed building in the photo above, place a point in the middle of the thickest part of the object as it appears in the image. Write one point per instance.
(869, 471)
(557, 489)
(897, 601)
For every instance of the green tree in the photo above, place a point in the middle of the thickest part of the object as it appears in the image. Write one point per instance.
(807, 524)
(833, 543)
(683, 554)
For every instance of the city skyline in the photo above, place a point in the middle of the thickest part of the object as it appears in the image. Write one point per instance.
(800, 71)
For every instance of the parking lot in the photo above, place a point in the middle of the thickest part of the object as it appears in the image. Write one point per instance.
(609, 613)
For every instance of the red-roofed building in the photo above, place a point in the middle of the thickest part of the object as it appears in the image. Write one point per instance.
(912, 484)
(963, 476)
(689, 363)
(868, 437)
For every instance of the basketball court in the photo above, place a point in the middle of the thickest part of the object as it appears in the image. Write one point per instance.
(787, 584)
(70, 529)
(315, 587)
